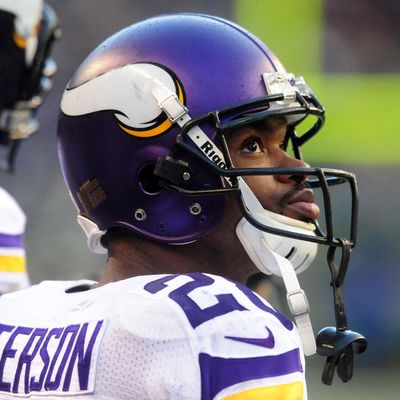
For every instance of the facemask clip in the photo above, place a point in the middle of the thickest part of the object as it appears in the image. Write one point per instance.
(339, 344)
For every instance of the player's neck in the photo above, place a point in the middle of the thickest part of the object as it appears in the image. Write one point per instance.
(136, 256)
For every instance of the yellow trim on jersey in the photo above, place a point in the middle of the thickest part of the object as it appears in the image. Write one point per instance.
(289, 391)
(19, 40)
(12, 264)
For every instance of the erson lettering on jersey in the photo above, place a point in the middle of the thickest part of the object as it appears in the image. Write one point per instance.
(49, 360)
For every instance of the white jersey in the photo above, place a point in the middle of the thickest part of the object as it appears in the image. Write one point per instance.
(187, 336)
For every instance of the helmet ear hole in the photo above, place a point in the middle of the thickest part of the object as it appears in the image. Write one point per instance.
(148, 181)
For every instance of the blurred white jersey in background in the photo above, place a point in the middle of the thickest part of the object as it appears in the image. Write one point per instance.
(13, 272)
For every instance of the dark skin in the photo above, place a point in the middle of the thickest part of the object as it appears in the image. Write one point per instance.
(257, 146)
(263, 145)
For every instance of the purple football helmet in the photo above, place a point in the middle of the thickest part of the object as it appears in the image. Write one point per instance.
(142, 144)
(127, 160)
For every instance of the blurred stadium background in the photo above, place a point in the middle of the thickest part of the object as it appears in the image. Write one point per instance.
(349, 52)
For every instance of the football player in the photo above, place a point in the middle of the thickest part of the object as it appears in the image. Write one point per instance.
(27, 31)
(174, 139)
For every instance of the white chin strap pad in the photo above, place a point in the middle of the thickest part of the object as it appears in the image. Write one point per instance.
(263, 247)
(268, 253)
(93, 234)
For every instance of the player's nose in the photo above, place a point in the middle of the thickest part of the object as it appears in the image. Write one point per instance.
(291, 162)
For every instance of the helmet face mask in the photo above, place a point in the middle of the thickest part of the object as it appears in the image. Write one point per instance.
(222, 124)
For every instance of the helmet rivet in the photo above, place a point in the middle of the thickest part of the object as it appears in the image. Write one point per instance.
(186, 176)
(140, 214)
(195, 209)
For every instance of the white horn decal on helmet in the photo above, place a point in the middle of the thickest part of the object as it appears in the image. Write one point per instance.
(127, 91)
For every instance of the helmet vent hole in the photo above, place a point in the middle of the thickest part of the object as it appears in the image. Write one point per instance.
(291, 253)
(148, 181)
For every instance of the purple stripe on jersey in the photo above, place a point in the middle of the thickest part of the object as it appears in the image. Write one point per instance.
(219, 373)
(11, 240)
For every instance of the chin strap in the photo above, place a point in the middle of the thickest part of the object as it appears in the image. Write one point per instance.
(255, 243)
(339, 344)
(298, 306)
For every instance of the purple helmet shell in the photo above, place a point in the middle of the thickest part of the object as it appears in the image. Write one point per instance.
(110, 137)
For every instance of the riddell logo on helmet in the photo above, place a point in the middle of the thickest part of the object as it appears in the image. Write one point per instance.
(209, 150)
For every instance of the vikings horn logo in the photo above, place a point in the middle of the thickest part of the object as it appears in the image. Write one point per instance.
(127, 91)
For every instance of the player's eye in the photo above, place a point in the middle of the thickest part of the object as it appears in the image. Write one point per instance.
(252, 145)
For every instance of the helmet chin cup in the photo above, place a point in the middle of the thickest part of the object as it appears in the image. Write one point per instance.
(264, 248)
(339, 346)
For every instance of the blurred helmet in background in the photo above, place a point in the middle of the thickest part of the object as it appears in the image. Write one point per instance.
(27, 32)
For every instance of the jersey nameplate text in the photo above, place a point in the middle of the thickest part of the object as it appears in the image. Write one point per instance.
(46, 360)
